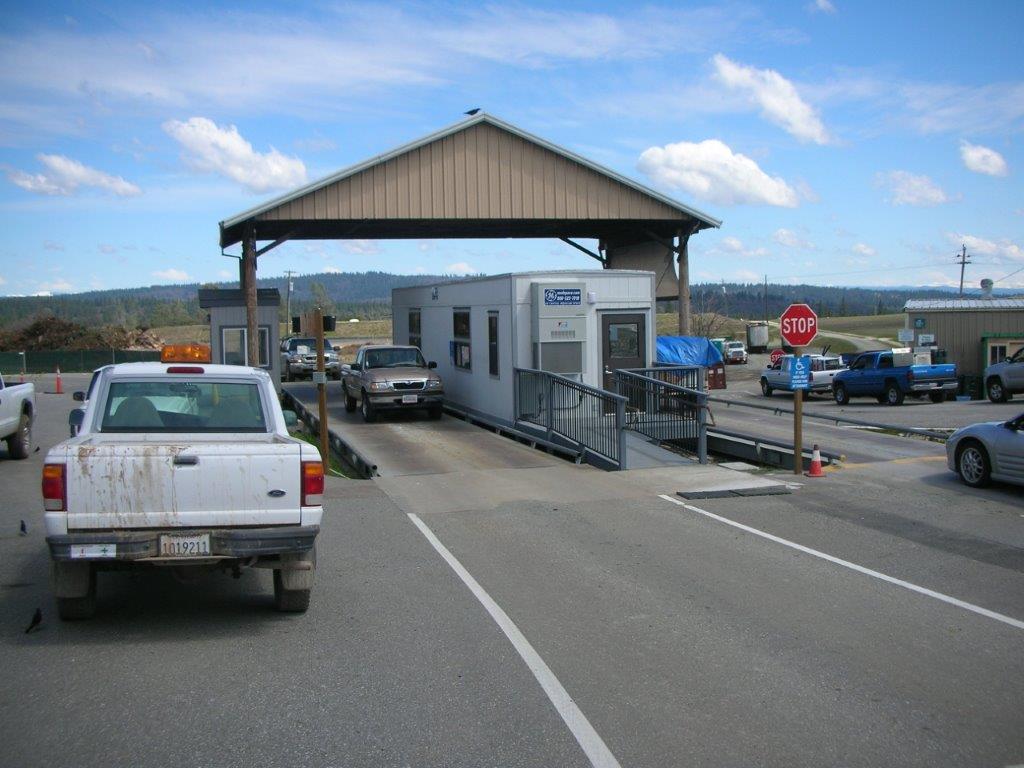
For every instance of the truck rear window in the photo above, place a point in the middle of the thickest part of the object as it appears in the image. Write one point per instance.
(183, 406)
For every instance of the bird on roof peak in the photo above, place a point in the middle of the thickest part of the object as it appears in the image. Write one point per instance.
(472, 111)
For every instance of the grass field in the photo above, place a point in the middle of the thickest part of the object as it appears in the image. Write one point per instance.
(873, 326)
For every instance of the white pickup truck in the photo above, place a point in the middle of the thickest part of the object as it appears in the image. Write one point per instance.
(182, 465)
(779, 376)
(17, 410)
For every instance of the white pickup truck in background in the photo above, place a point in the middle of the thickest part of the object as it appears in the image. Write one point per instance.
(182, 465)
(17, 410)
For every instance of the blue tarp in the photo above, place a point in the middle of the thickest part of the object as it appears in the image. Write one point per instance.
(688, 350)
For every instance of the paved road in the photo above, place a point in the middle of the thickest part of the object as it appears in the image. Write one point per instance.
(681, 639)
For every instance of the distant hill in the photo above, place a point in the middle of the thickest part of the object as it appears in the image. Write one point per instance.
(367, 295)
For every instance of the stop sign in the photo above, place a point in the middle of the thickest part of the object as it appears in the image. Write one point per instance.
(798, 325)
(776, 355)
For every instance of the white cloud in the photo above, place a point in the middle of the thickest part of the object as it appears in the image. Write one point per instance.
(60, 285)
(361, 247)
(790, 239)
(909, 189)
(461, 268)
(735, 247)
(3, 280)
(332, 270)
(225, 274)
(106, 249)
(980, 246)
(64, 176)
(210, 148)
(171, 275)
(711, 170)
(821, 6)
(982, 159)
(51, 245)
(775, 95)
(864, 249)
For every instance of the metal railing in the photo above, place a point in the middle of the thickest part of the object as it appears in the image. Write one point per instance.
(662, 410)
(590, 418)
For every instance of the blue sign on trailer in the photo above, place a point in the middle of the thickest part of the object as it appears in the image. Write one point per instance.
(563, 296)
(800, 374)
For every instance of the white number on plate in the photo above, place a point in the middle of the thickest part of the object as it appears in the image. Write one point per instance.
(185, 545)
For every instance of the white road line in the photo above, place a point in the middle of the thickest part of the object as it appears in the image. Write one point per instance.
(589, 740)
(854, 567)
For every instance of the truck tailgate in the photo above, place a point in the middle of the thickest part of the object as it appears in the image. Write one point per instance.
(926, 373)
(197, 482)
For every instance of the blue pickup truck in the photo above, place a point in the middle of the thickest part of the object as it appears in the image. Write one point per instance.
(890, 376)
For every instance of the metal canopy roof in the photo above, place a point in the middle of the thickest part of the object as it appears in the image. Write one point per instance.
(970, 305)
(481, 177)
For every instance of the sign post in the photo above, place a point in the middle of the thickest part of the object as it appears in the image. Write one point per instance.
(798, 326)
(320, 377)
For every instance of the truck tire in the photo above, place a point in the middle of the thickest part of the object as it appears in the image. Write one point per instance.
(937, 397)
(435, 412)
(350, 402)
(294, 600)
(766, 388)
(19, 444)
(972, 464)
(78, 608)
(893, 394)
(996, 391)
(367, 409)
(840, 395)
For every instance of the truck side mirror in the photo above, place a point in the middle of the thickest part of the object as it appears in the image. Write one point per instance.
(78, 397)
(356, 366)
(432, 365)
(75, 419)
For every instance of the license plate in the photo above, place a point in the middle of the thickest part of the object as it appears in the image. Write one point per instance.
(410, 399)
(185, 545)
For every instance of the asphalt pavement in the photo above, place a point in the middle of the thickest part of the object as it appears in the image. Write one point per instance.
(874, 617)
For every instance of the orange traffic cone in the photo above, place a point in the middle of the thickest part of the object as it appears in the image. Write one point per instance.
(815, 470)
(60, 386)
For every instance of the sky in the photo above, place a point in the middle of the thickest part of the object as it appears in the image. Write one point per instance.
(840, 142)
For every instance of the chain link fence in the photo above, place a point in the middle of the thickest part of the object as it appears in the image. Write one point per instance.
(70, 361)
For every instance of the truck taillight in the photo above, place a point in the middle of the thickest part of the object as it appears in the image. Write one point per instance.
(312, 483)
(55, 488)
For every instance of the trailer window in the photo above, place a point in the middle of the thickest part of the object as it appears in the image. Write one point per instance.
(415, 336)
(462, 339)
(183, 406)
(492, 343)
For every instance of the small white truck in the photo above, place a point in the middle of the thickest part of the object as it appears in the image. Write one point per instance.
(17, 410)
(184, 465)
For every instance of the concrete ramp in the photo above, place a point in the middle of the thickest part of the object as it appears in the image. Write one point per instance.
(408, 443)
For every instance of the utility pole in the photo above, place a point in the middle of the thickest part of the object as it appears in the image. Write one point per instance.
(963, 263)
(288, 302)
(766, 298)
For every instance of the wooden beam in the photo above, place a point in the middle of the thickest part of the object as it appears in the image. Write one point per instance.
(684, 282)
(579, 247)
(248, 266)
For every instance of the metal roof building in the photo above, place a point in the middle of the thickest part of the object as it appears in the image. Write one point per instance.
(482, 178)
(975, 332)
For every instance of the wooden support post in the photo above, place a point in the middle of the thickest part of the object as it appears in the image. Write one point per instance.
(249, 291)
(684, 283)
(321, 390)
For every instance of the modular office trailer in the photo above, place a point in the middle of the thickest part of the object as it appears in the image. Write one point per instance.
(577, 324)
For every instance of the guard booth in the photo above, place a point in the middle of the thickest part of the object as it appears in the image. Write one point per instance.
(582, 325)
(228, 335)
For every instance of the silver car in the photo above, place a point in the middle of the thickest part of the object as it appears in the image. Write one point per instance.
(989, 451)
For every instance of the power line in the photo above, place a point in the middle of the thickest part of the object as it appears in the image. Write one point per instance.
(1009, 275)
